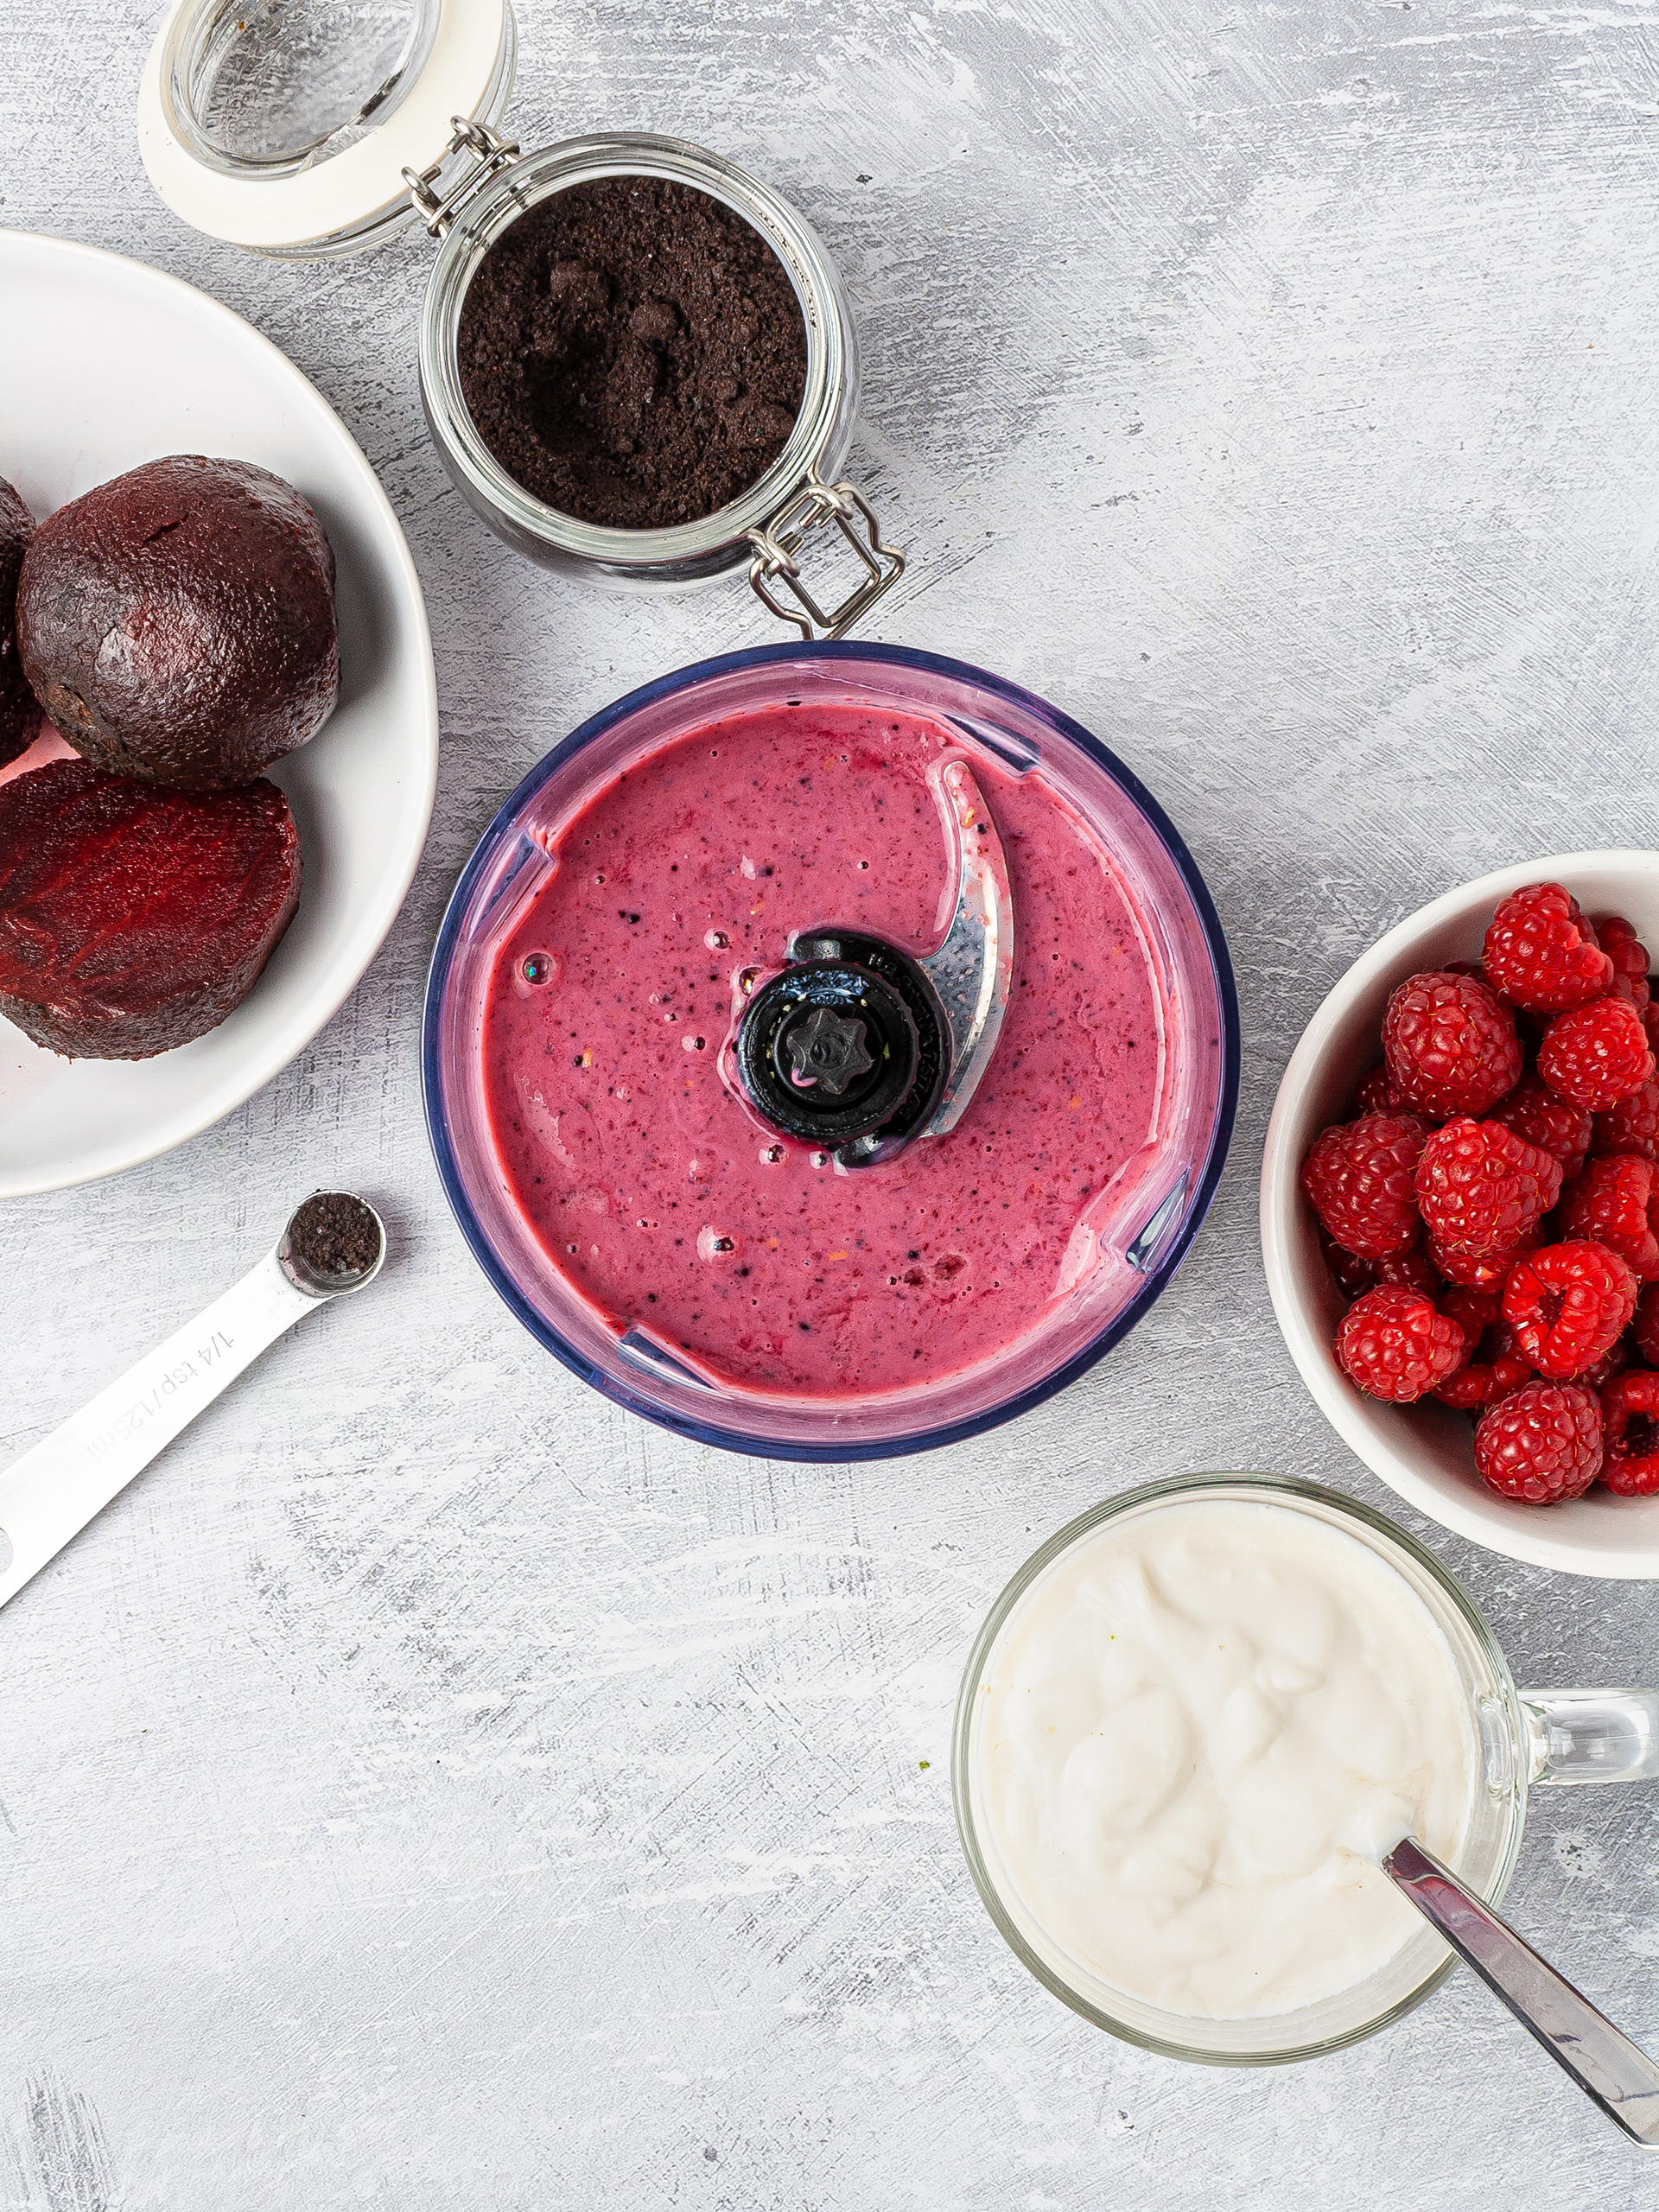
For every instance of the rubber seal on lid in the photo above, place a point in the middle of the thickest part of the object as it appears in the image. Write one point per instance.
(285, 126)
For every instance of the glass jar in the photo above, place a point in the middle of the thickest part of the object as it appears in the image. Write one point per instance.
(310, 129)
(1527, 1737)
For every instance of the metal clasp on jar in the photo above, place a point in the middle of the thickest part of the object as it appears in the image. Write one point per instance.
(776, 545)
(492, 153)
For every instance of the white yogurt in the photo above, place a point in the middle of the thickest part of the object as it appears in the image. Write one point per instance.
(1199, 1727)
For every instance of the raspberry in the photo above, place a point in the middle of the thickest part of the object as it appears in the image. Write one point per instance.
(1647, 1325)
(1355, 1276)
(1394, 1345)
(1629, 1412)
(1494, 1367)
(1555, 1125)
(1412, 1270)
(1541, 1444)
(1596, 1055)
(1542, 952)
(1378, 1095)
(1567, 1305)
(1619, 940)
(1470, 1271)
(1617, 1202)
(1450, 1047)
(1358, 1180)
(1630, 1124)
(1600, 1372)
(1482, 1189)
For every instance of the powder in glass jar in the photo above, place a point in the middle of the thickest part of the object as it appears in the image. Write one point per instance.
(334, 1235)
(633, 352)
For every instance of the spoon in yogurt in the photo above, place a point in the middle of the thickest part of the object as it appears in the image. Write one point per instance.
(333, 1244)
(1603, 2062)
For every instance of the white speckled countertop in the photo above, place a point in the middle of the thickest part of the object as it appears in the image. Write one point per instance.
(432, 1789)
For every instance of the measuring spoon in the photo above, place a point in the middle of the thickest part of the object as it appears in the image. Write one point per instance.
(54, 1490)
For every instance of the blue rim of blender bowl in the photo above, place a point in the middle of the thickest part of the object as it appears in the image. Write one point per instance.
(840, 1449)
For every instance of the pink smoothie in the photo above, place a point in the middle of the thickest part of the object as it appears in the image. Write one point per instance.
(649, 1180)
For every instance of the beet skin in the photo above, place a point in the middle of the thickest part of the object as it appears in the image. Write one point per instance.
(20, 712)
(133, 919)
(177, 623)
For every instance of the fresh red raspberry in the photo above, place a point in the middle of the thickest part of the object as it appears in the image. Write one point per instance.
(1619, 940)
(1474, 1310)
(1600, 1372)
(1630, 1125)
(1541, 953)
(1646, 1331)
(1617, 1202)
(1649, 1014)
(1629, 1413)
(1481, 1188)
(1358, 1179)
(1494, 1367)
(1378, 1094)
(1567, 1305)
(1450, 1047)
(1354, 1276)
(1555, 1125)
(1541, 1444)
(1596, 1055)
(1412, 1270)
(1394, 1345)
(1473, 1271)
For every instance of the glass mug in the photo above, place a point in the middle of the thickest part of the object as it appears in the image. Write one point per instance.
(1526, 1737)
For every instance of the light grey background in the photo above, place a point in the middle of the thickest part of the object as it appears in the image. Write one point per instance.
(433, 1790)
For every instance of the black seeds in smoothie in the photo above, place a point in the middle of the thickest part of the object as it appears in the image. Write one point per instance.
(633, 352)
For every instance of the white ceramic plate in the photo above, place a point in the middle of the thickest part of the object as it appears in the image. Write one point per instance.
(1426, 1453)
(121, 366)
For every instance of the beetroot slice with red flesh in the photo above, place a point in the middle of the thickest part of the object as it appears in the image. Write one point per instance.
(133, 918)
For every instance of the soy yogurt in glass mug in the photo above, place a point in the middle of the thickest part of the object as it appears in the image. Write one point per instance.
(1191, 1726)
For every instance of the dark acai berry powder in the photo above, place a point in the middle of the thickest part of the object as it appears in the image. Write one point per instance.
(334, 1235)
(633, 352)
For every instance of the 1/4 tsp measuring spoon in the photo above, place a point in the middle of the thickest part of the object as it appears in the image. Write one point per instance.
(54, 1490)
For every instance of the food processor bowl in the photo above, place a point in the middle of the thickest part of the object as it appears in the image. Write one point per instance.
(1139, 1233)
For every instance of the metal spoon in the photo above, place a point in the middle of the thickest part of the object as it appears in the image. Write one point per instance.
(54, 1490)
(1605, 2063)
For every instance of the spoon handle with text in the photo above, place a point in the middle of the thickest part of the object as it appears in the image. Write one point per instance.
(54, 1489)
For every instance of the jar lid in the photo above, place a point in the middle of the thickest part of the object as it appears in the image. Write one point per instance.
(286, 125)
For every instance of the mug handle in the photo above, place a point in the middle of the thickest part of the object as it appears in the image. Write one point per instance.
(1577, 1736)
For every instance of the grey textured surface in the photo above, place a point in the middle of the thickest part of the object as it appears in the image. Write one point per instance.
(429, 1788)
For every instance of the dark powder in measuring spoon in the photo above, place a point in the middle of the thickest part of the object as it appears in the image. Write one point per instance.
(335, 1235)
(633, 352)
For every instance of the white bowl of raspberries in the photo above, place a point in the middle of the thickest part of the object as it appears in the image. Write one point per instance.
(1460, 1211)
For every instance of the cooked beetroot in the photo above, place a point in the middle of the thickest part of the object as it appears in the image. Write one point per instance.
(178, 624)
(20, 712)
(133, 919)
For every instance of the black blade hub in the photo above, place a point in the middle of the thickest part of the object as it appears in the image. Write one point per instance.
(845, 1048)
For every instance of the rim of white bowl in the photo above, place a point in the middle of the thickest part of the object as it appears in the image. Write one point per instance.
(1514, 1531)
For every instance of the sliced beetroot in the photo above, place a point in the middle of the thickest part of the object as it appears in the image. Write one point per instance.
(20, 712)
(133, 919)
(177, 623)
